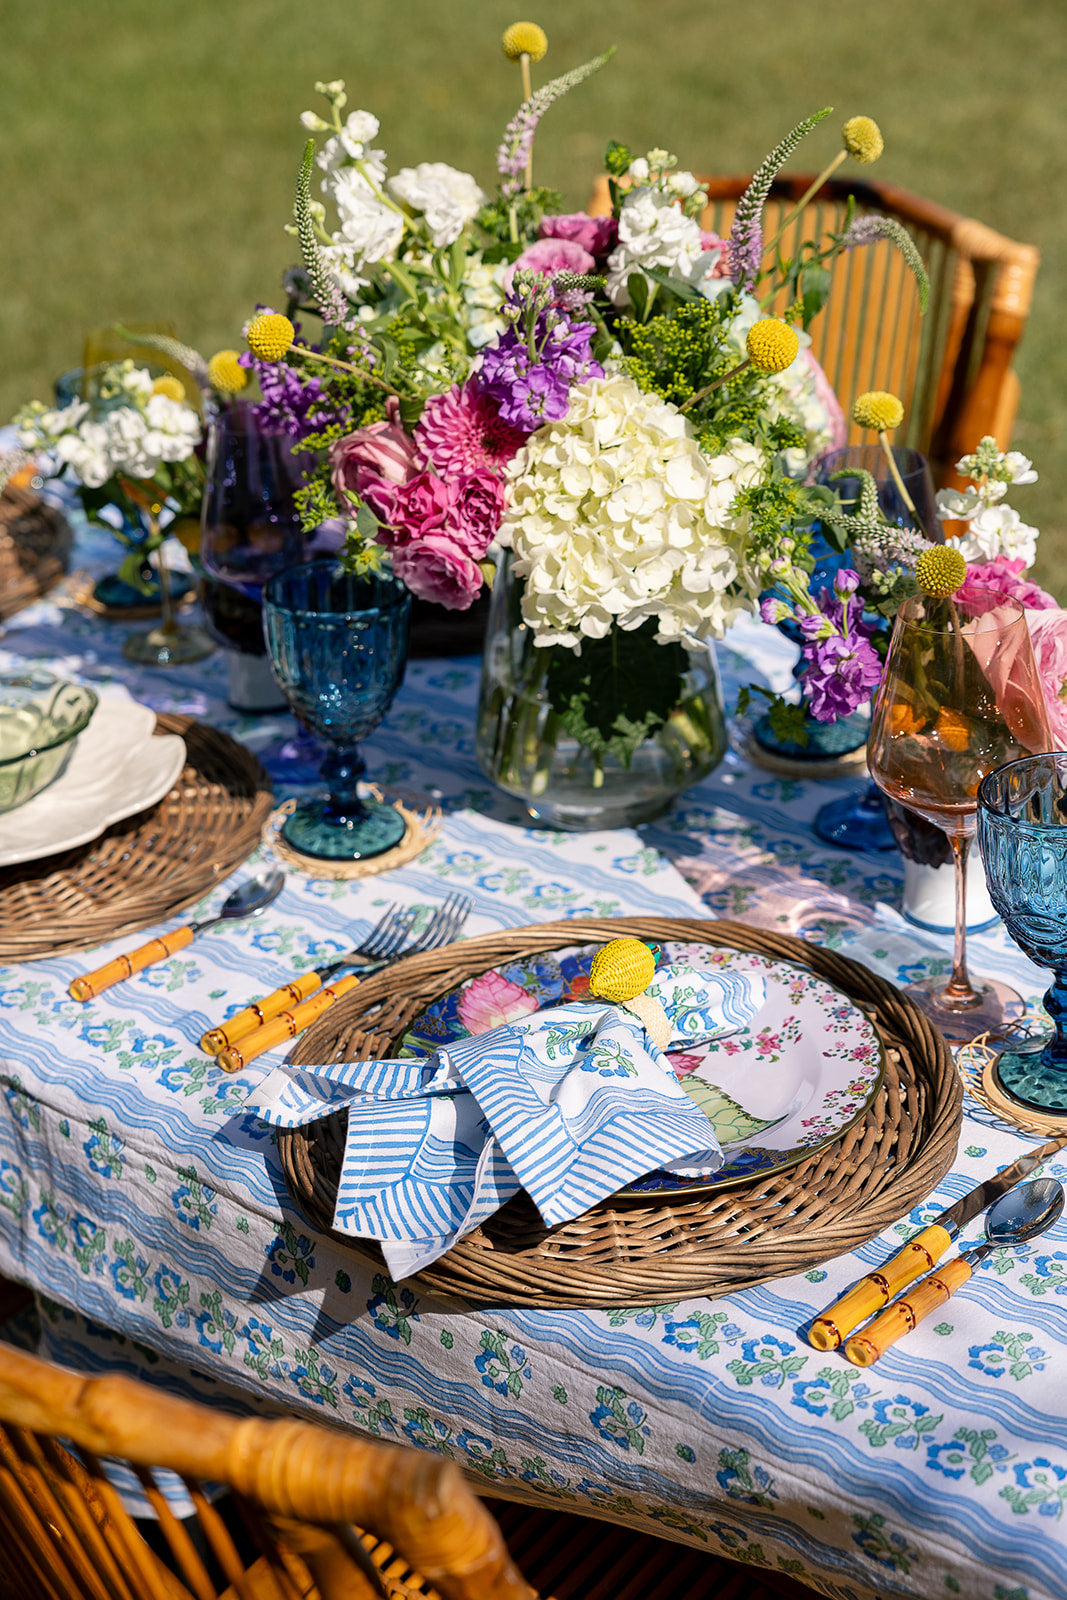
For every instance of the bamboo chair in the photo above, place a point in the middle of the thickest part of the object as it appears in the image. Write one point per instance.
(333, 1517)
(952, 367)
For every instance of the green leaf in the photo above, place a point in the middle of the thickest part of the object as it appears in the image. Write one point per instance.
(814, 287)
(410, 410)
(618, 691)
(130, 572)
(639, 292)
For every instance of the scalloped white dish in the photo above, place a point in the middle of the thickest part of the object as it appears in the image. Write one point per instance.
(119, 767)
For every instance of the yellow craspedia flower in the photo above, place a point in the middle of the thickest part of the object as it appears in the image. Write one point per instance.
(877, 409)
(621, 970)
(863, 139)
(524, 39)
(226, 374)
(772, 345)
(270, 335)
(940, 571)
(172, 387)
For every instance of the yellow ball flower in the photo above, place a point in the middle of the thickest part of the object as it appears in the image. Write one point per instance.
(225, 373)
(621, 970)
(172, 387)
(524, 39)
(270, 335)
(877, 409)
(863, 139)
(940, 571)
(772, 345)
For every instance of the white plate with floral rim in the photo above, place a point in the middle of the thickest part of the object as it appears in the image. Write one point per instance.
(795, 1079)
(119, 767)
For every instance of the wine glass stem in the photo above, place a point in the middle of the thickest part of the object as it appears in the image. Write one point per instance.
(959, 990)
(1055, 1051)
(166, 594)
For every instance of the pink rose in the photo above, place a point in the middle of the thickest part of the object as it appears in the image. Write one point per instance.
(436, 568)
(380, 451)
(479, 506)
(1048, 633)
(1006, 576)
(492, 1000)
(597, 235)
(423, 505)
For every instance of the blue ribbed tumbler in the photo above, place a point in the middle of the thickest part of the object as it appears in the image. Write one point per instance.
(338, 646)
(1022, 834)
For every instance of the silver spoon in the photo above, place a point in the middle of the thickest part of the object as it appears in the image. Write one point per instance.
(1018, 1216)
(247, 900)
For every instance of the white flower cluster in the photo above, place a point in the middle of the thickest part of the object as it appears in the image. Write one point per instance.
(372, 221)
(130, 430)
(615, 515)
(993, 529)
(654, 230)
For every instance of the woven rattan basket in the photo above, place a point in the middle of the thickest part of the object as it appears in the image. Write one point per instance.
(142, 870)
(35, 546)
(639, 1253)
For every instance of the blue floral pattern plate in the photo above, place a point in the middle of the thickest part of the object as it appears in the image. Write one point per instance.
(796, 1078)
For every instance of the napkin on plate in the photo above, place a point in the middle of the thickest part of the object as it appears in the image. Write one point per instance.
(569, 1103)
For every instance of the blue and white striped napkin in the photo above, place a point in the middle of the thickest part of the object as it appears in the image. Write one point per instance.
(569, 1103)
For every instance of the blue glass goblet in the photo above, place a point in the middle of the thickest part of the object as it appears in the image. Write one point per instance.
(338, 645)
(1022, 834)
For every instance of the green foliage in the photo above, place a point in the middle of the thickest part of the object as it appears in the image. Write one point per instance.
(618, 691)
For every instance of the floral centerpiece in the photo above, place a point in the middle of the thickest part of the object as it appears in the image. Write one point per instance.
(594, 408)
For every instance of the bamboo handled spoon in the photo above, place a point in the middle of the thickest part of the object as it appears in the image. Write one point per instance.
(1018, 1216)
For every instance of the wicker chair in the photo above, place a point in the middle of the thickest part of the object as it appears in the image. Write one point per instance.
(952, 367)
(306, 1494)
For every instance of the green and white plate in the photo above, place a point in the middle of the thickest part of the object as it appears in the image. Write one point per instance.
(804, 1070)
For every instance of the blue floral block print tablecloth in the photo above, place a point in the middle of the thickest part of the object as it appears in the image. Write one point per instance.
(149, 1211)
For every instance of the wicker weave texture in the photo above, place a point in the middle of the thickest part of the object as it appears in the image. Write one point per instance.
(635, 1253)
(148, 867)
(35, 544)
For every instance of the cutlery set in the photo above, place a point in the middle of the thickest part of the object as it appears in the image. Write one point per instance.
(286, 1011)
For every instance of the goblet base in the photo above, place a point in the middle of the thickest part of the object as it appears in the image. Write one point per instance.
(995, 1012)
(1023, 1075)
(855, 822)
(314, 832)
(171, 645)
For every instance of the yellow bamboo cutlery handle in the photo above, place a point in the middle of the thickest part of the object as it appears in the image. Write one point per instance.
(280, 1028)
(94, 983)
(832, 1327)
(254, 1016)
(865, 1348)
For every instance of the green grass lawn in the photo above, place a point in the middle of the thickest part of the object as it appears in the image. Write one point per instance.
(149, 151)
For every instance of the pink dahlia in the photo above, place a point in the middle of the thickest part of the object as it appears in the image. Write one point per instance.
(1006, 576)
(462, 431)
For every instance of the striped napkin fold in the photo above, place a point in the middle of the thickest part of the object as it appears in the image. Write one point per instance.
(569, 1103)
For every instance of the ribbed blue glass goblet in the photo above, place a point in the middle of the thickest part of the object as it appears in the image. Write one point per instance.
(338, 646)
(1022, 834)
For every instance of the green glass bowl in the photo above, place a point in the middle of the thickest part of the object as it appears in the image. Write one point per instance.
(41, 717)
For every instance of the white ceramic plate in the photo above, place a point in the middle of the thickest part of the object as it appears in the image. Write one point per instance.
(804, 1070)
(119, 767)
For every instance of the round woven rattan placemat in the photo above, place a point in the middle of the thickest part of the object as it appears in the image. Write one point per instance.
(634, 1253)
(144, 869)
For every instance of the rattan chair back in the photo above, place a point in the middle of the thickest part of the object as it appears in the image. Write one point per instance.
(952, 367)
(306, 1493)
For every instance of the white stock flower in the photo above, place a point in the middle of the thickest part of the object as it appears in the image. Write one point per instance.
(1019, 467)
(653, 232)
(957, 505)
(447, 199)
(483, 295)
(998, 531)
(615, 514)
(370, 229)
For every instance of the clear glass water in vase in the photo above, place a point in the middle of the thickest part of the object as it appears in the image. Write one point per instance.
(527, 741)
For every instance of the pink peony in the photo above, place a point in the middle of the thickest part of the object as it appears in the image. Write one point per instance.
(381, 451)
(436, 568)
(478, 508)
(1005, 575)
(597, 235)
(1048, 633)
(492, 1000)
(462, 431)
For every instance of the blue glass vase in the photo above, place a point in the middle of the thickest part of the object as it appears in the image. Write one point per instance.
(338, 646)
(1022, 834)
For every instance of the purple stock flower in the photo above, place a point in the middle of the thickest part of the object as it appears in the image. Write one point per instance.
(531, 389)
(842, 664)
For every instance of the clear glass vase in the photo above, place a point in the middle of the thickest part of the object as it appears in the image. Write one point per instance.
(524, 746)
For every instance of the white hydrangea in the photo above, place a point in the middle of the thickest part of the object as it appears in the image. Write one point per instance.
(615, 516)
(447, 199)
(653, 232)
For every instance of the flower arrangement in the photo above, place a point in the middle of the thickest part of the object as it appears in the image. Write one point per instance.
(601, 396)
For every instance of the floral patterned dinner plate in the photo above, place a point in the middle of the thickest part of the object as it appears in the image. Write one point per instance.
(796, 1078)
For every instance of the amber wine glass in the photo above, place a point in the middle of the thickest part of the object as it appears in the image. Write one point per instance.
(960, 696)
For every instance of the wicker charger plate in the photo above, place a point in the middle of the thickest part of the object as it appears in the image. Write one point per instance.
(144, 869)
(637, 1254)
